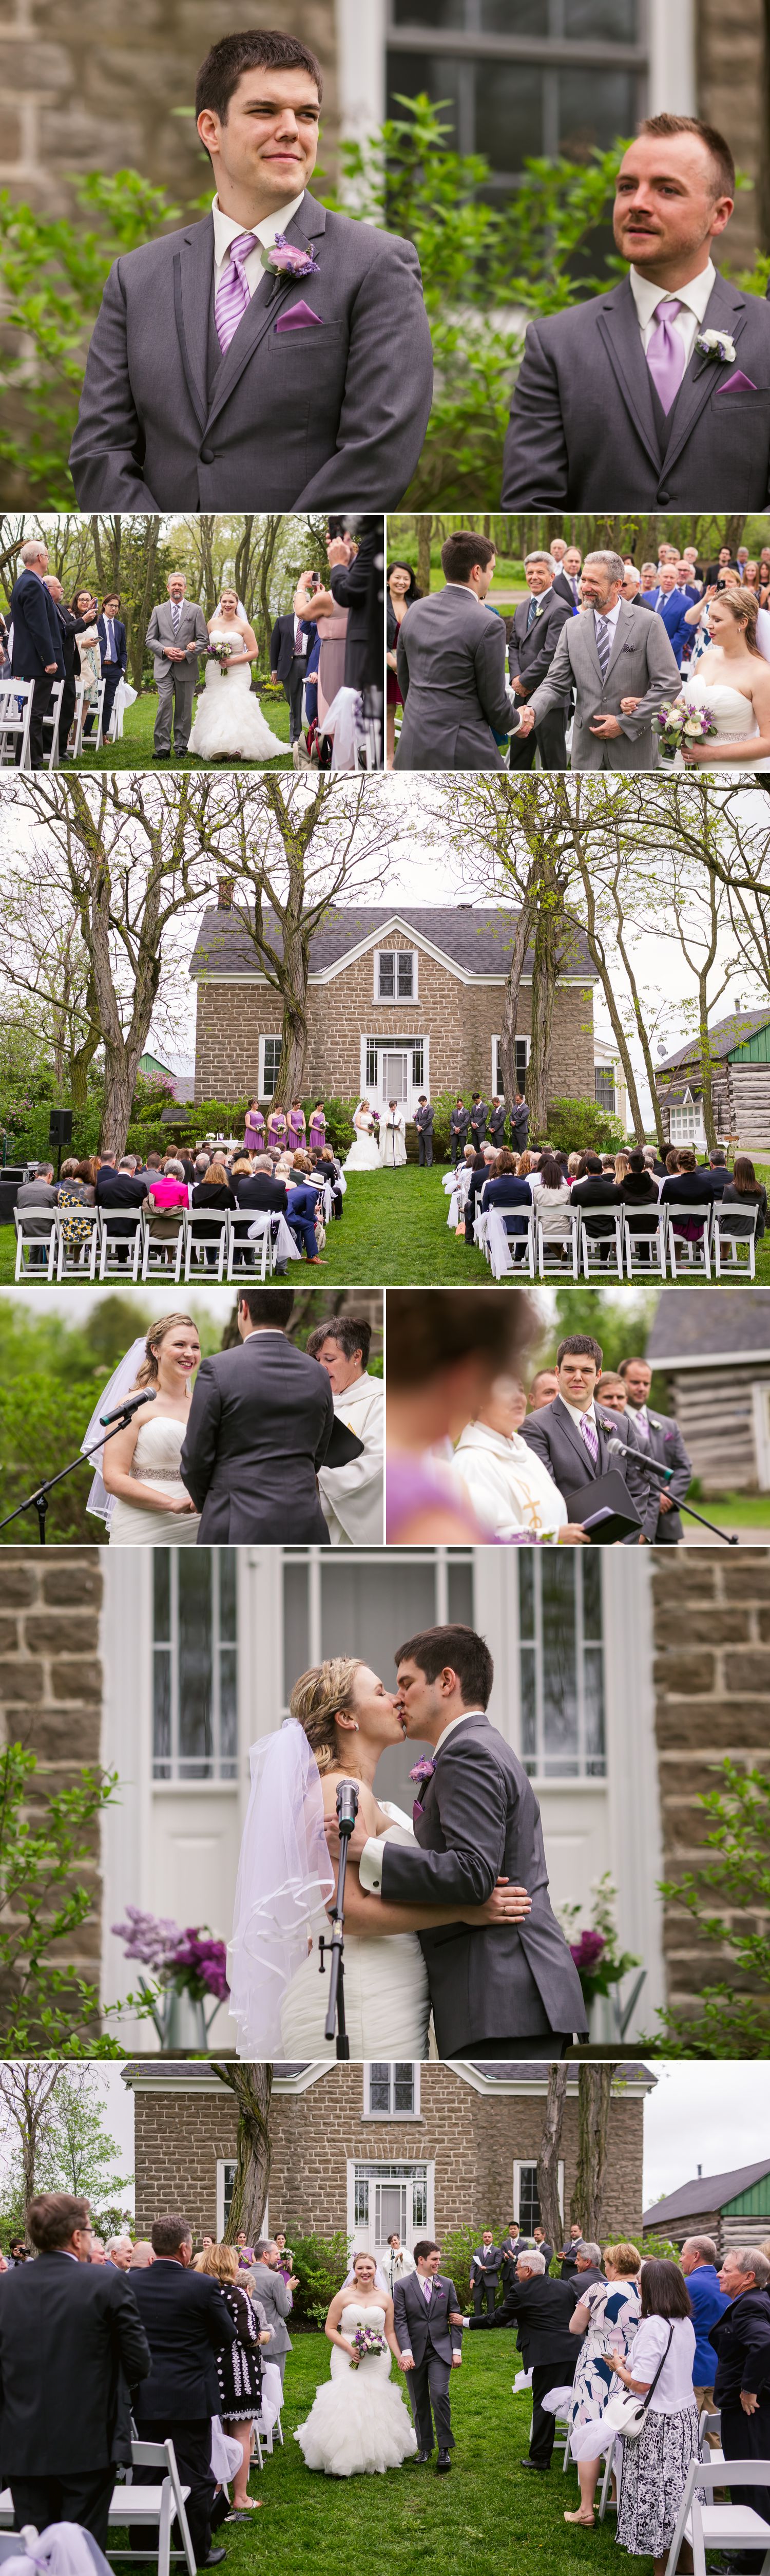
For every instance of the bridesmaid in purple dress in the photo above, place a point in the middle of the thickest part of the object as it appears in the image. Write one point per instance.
(254, 1132)
(276, 1131)
(296, 1128)
(317, 1137)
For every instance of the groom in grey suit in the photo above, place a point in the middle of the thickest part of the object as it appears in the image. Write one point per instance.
(260, 1424)
(505, 1990)
(619, 405)
(621, 663)
(274, 356)
(177, 634)
(451, 667)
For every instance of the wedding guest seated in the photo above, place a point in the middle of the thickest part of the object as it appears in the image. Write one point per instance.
(481, 1171)
(41, 1193)
(638, 1191)
(120, 1187)
(552, 1198)
(719, 1170)
(596, 1189)
(167, 1195)
(212, 1192)
(302, 1204)
(330, 1168)
(744, 1192)
(77, 1189)
(505, 1189)
(688, 1183)
(256, 1186)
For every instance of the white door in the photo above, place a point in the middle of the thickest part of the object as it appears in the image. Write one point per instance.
(392, 2212)
(394, 1075)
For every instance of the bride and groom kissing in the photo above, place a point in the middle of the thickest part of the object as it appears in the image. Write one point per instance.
(447, 1915)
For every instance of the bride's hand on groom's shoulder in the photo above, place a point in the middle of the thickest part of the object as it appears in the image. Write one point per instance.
(506, 1904)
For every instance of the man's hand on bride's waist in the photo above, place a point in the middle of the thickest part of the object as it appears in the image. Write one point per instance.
(506, 1904)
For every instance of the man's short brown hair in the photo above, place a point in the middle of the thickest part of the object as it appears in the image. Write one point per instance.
(168, 2233)
(250, 49)
(460, 1648)
(718, 150)
(460, 552)
(52, 2218)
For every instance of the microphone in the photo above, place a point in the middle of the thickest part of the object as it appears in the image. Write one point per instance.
(131, 1405)
(347, 1807)
(617, 1449)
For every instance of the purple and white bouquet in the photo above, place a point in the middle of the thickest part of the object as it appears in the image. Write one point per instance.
(683, 721)
(221, 647)
(365, 2340)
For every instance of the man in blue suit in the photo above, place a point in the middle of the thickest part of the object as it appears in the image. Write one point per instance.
(291, 642)
(114, 653)
(672, 606)
(37, 643)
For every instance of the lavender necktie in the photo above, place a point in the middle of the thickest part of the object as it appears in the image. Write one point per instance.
(232, 296)
(590, 1436)
(665, 352)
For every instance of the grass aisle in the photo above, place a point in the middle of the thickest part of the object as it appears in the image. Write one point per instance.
(134, 751)
(490, 2515)
(394, 1229)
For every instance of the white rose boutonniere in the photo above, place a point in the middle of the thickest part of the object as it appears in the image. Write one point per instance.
(717, 344)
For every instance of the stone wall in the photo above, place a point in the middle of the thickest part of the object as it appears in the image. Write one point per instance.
(712, 1699)
(51, 1687)
(732, 92)
(179, 2136)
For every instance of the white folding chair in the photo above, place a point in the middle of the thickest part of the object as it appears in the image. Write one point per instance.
(692, 1253)
(154, 2508)
(34, 1230)
(76, 1257)
(52, 719)
(610, 2462)
(7, 2516)
(120, 1250)
(201, 1245)
(566, 1233)
(250, 1245)
(83, 710)
(649, 1233)
(596, 1239)
(522, 1246)
(15, 719)
(162, 1252)
(720, 2526)
(731, 1227)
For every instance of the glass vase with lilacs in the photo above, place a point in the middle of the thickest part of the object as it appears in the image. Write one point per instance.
(189, 1966)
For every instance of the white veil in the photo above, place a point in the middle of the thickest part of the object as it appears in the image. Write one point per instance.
(118, 1385)
(285, 1879)
(763, 633)
(380, 2282)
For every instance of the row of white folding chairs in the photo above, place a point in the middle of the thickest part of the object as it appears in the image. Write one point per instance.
(121, 1243)
(634, 1246)
(16, 702)
(155, 2508)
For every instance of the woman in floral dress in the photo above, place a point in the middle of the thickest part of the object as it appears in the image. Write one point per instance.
(239, 2367)
(608, 2316)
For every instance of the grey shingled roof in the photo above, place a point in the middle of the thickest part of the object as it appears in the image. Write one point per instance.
(478, 942)
(695, 1327)
(725, 1035)
(707, 2191)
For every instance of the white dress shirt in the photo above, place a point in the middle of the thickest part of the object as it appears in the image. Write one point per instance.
(580, 1413)
(227, 231)
(109, 633)
(693, 299)
(370, 1864)
(611, 618)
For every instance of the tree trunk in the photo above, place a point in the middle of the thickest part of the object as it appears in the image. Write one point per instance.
(545, 964)
(264, 621)
(524, 924)
(551, 2216)
(594, 2098)
(595, 946)
(252, 2086)
(424, 527)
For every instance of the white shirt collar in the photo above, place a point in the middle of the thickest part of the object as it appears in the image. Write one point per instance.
(465, 587)
(695, 294)
(456, 1721)
(227, 231)
(611, 617)
(578, 1417)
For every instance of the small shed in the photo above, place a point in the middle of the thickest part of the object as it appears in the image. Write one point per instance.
(733, 2207)
(713, 1346)
(739, 1067)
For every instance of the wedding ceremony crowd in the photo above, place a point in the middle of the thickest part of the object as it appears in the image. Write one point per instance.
(220, 1211)
(628, 1214)
(648, 2362)
(607, 663)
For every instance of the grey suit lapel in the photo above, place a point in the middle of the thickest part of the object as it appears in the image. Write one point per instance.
(727, 310)
(270, 298)
(193, 276)
(572, 1434)
(584, 632)
(626, 617)
(619, 326)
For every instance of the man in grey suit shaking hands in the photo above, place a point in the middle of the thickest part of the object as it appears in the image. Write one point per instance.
(274, 356)
(621, 663)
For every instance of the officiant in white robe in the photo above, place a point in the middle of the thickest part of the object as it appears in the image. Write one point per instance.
(393, 1134)
(352, 1497)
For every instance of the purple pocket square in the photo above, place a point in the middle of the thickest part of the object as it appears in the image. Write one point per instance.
(737, 384)
(296, 318)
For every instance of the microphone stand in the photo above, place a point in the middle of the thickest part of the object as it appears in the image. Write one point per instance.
(651, 1468)
(38, 1501)
(347, 1810)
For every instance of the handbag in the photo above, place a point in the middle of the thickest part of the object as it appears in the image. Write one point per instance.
(625, 2414)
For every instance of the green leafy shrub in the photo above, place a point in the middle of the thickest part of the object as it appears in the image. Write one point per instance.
(580, 1126)
(320, 2263)
(734, 2012)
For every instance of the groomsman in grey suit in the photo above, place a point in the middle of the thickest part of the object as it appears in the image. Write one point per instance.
(176, 635)
(623, 668)
(274, 356)
(450, 664)
(276, 2296)
(537, 625)
(655, 395)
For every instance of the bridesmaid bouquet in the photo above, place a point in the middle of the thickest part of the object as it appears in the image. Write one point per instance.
(366, 2339)
(683, 721)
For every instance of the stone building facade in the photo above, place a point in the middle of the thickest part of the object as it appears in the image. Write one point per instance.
(51, 1690)
(711, 1672)
(473, 2130)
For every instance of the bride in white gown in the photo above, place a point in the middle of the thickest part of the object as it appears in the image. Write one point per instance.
(342, 1721)
(229, 724)
(359, 2423)
(138, 1487)
(364, 1155)
(732, 678)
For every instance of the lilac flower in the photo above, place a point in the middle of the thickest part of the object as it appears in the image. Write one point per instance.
(200, 1963)
(588, 1950)
(192, 1960)
(151, 1938)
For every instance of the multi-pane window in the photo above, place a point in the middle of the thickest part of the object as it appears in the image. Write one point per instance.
(365, 1605)
(561, 1656)
(517, 78)
(522, 1060)
(387, 1074)
(387, 2197)
(195, 1664)
(272, 1048)
(396, 980)
(686, 1124)
(391, 2087)
(604, 1088)
(528, 2212)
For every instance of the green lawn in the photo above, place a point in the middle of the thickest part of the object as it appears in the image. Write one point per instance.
(489, 2517)
(134, 751)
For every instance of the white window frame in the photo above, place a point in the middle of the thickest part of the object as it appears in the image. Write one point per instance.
(397, 1045)
(402, 1000)
(521, 1040)
(225, 2163)
(441, 1560)
(369, 2114)
(523, 2164)
(690, 1135)
(534, 1646)
(271, 1037)
(176, 1776)
(429, 2163)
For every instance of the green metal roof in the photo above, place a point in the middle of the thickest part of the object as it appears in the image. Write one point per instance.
(755, 1049)
(754, 2203)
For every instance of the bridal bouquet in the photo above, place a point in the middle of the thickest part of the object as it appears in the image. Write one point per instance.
(221, 647)
(366, 2339)
(683, 721)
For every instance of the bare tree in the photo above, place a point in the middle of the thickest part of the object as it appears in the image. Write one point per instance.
(26, 2092)
(252, 2087)
(550, 2145)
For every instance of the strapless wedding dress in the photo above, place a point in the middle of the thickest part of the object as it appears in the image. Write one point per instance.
(155, 1462)
(364, 1155)
(229, 721)
(734, 719)
(359, 2424)
(387, 2003)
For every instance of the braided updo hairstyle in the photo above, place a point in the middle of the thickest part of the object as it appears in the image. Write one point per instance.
(318, 1697)
(147, 1371)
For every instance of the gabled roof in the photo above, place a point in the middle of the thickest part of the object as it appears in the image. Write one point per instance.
(725, 1035)
(707, 1327)
(471, 943)
(708, 2191)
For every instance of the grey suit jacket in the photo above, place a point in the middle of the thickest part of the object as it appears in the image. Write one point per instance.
(583, 432)
(422, 2324)
(327, 414)
(530, 655)
(193, 635)
(556, 1440)
(276, 2301)
(641, 665)
(450, 663)
(259, 1428)
(479, 1820)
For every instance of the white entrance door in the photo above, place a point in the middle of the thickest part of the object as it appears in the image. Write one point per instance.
(392, 2211)
(394, 1075)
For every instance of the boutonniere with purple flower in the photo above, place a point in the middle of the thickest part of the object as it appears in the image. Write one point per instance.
(423, 1772)
(287, 259)
(716, 344)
